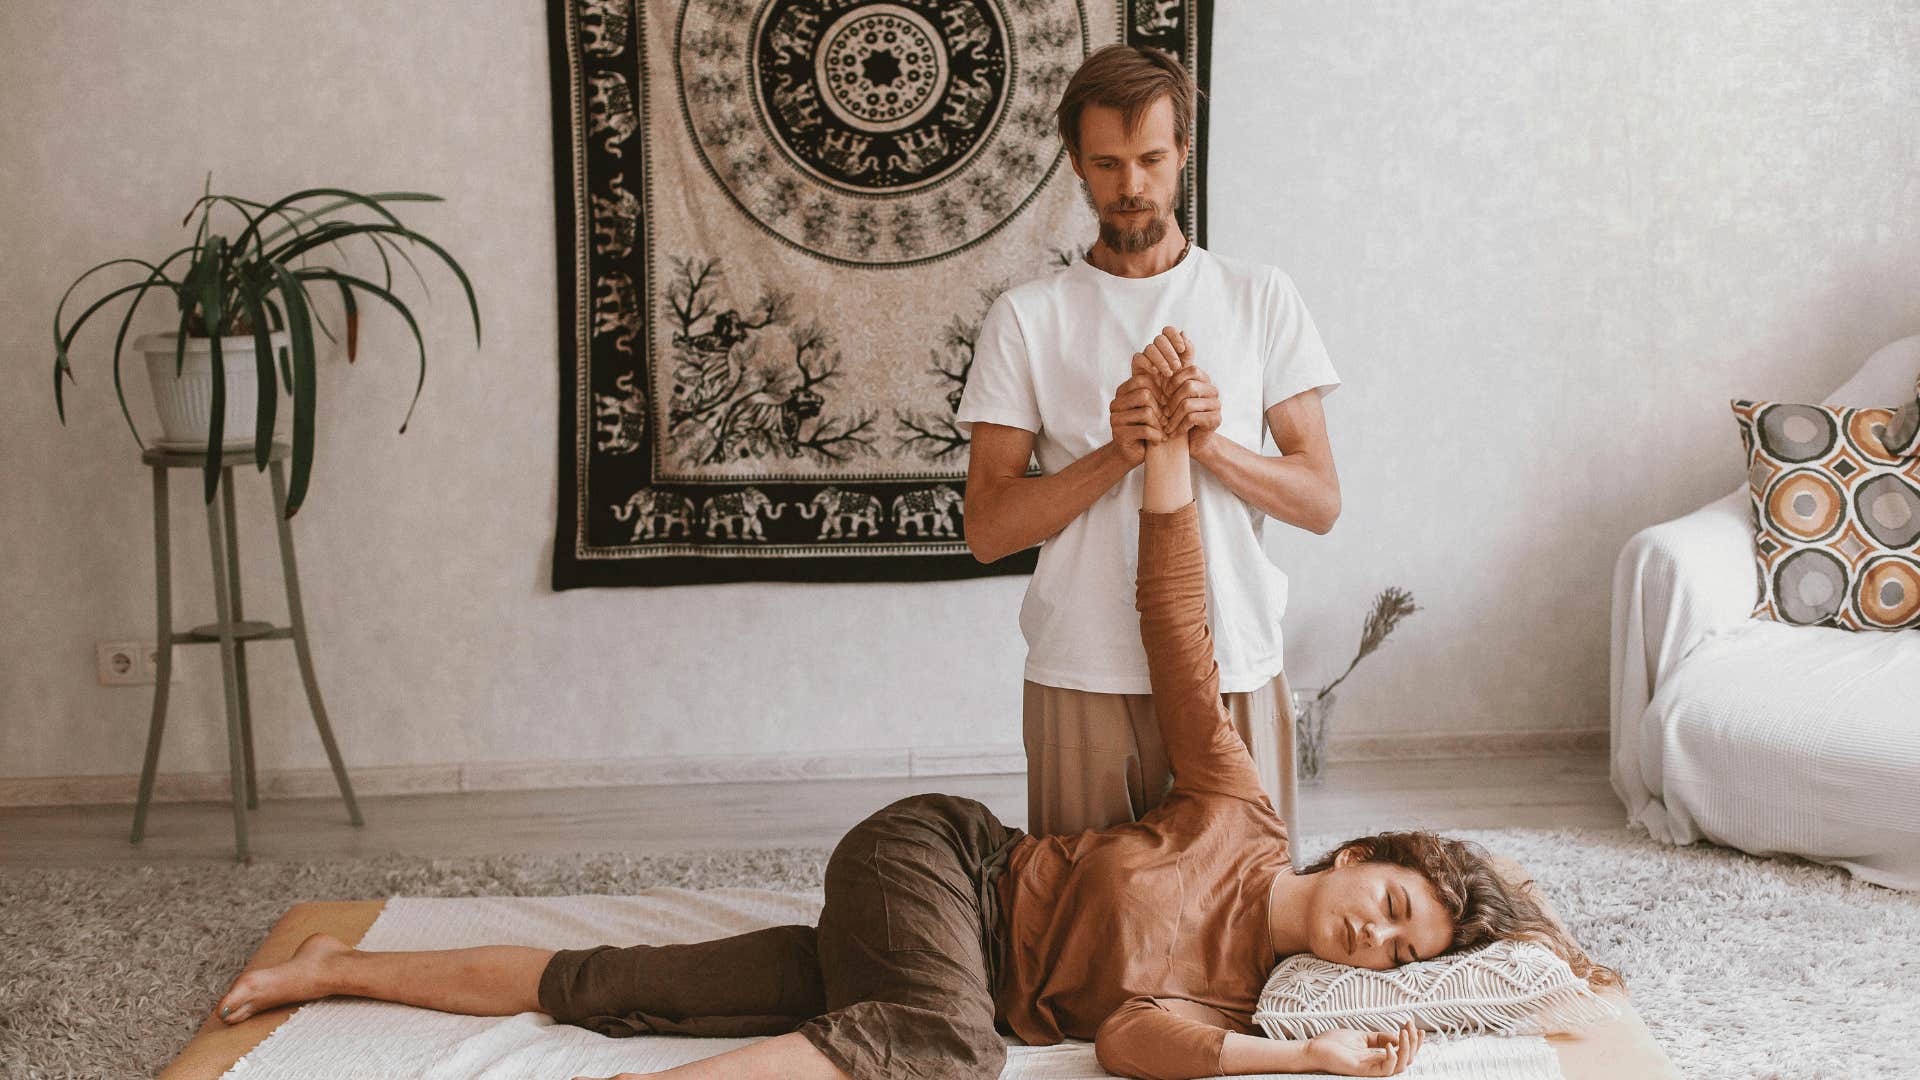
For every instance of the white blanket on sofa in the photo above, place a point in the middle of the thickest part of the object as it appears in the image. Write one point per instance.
(1771, 738)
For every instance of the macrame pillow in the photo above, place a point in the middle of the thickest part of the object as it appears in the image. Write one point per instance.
(1505, 988)
(1835, 493)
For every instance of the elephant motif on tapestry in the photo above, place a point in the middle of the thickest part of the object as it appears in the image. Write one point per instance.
(604, 26)
(655, 514)
(1156, 16)
(929, 511)
(842, 513)
(616, 310)
(616, 219)
(737, 513)
(620, 420)
(610, 104)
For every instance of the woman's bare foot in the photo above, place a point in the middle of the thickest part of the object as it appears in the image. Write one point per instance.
(302, 977)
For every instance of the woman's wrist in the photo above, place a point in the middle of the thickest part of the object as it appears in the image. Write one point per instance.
(1169, 483)
(1243, 1054)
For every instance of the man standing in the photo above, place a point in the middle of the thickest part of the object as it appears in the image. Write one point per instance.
(1245, 359)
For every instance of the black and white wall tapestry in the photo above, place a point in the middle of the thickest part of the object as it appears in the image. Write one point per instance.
(780, 223)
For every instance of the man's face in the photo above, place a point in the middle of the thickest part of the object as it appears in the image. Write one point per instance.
(1130, 180)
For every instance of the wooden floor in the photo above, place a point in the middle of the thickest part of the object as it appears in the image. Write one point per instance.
(1356, 798)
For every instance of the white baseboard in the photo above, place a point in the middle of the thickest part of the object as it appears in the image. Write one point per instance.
(1424, 745)
(716, 769)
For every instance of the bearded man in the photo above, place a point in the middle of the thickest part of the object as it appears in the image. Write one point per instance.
(1145, 338)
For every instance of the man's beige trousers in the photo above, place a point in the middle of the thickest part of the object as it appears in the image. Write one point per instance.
(1095, 760)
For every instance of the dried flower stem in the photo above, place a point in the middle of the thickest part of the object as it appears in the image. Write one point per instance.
(1393, 604)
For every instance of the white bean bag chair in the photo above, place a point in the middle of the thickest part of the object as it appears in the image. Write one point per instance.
(1771, 738)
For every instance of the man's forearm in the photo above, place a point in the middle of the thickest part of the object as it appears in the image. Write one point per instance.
(1015, 513)
(1293, 488)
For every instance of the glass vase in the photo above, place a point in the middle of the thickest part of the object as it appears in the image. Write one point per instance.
(1311, 716)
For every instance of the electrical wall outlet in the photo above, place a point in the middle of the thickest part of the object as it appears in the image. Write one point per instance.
(123, 663)
(130, 663)
(150, 662)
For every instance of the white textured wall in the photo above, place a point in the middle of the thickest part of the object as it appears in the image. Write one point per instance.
(1544, 242)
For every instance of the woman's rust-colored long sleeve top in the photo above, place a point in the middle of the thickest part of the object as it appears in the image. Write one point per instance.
(1151, 938)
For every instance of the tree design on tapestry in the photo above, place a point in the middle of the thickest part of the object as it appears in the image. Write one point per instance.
(730, 403)
(933, 436)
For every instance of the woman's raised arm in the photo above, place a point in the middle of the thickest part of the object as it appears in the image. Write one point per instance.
(1170, 592)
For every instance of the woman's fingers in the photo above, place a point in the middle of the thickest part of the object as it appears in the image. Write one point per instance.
(1177, 342)
(1165, 359)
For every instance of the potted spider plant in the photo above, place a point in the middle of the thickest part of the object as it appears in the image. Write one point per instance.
(243, 304)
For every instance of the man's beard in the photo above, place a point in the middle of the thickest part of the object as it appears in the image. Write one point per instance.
(1123, 238)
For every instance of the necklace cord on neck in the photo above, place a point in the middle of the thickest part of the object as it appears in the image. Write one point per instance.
(1188, 246)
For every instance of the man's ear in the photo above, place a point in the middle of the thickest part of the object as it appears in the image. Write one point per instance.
(1074, 160)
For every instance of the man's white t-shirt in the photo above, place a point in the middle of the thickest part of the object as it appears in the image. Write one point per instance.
(1050, 354)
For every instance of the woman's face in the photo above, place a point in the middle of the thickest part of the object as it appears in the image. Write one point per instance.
(1377, 915)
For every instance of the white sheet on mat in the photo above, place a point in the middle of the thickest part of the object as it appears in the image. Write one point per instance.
(372, 1040)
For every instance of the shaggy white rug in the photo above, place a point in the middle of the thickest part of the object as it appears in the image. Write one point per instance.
(1744, 969)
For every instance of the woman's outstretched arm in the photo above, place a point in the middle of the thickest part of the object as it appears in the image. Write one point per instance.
(1171, 595)
(1172, 1039)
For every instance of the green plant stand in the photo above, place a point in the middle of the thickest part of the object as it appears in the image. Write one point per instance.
(231, 632)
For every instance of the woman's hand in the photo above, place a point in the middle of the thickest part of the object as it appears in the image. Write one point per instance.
(1189, 401)
(1167, 353)
(1363, 1053)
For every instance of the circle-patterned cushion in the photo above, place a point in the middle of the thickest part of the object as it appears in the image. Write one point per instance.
(1836, 508)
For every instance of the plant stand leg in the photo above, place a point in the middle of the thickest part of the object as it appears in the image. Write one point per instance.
(1286, 733)
(162, 567)
(299, 620)
(240, 647)
(228, 656)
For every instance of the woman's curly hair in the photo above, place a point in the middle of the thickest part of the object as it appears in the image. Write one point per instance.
(1484, 905)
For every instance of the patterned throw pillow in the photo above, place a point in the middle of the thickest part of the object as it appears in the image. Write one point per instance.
(1505, 988)
(1836, 513)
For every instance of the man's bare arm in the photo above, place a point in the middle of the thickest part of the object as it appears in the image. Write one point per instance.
(1300, 487)
(1008, 511)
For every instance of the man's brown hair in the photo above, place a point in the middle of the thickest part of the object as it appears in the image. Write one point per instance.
(1129, 78)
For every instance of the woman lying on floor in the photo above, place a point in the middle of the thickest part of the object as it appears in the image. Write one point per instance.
(1152, 938)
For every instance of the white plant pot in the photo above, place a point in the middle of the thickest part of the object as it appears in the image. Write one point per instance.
(185, 401)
